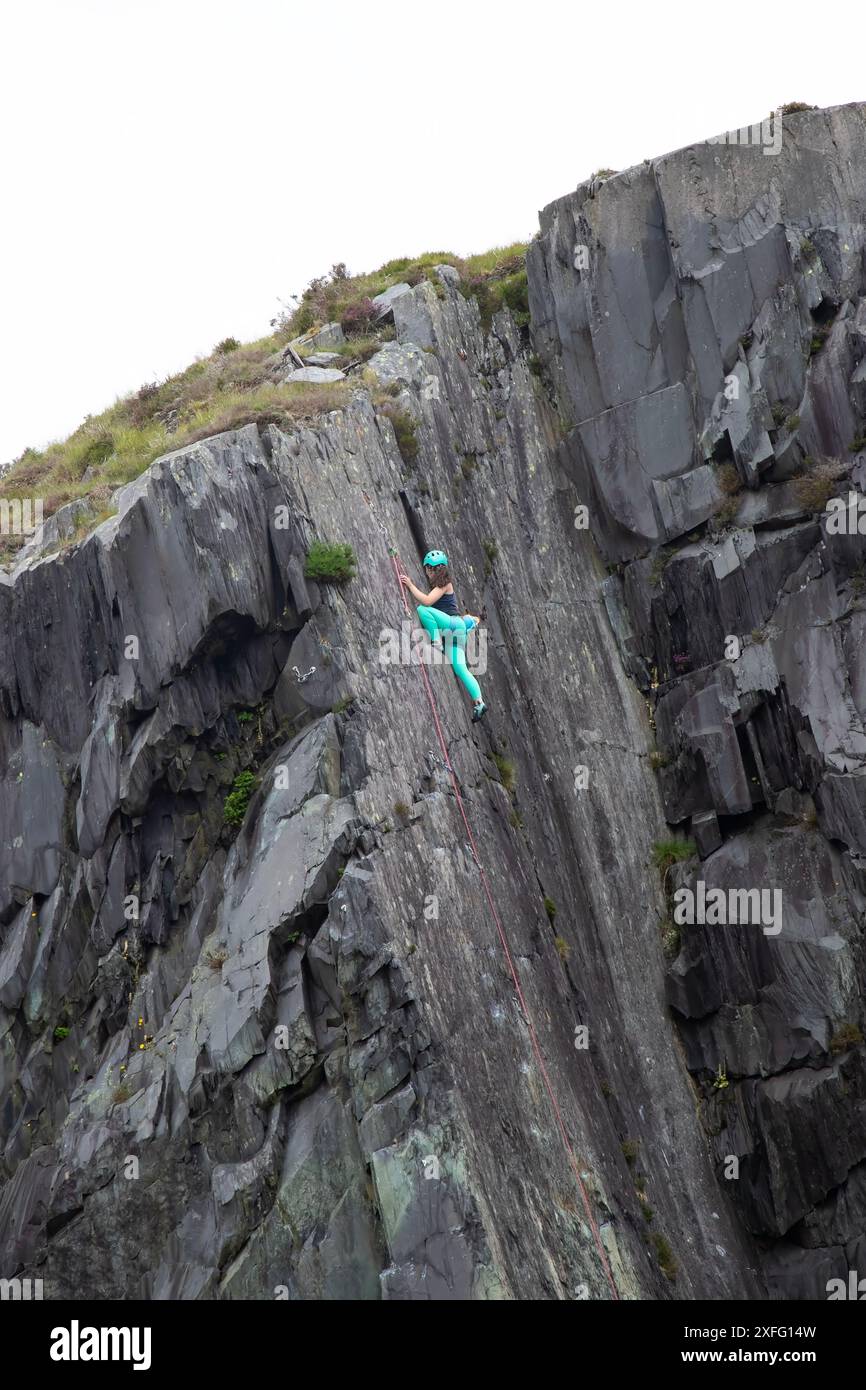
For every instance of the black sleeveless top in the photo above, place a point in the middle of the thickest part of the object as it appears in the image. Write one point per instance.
(447, 603)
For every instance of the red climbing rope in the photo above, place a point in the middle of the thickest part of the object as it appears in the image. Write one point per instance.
(504, 940)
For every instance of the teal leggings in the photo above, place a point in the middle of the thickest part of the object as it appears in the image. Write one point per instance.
(434, 622)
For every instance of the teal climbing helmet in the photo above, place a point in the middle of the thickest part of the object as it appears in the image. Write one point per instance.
(435, 557)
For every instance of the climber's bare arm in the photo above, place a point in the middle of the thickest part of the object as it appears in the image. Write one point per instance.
(428, 599)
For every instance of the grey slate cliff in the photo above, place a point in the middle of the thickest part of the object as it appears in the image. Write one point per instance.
(288, 1059)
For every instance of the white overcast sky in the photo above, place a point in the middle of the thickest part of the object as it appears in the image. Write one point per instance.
(173, 168)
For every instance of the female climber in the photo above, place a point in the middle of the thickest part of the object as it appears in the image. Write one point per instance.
(438, 614)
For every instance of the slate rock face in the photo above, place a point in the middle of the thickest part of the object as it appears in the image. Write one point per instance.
(317, 373)
(698, 325)
(735, 338)
(384, 302)
(258, 1035)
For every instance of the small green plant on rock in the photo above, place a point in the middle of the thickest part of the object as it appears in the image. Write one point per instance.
(96, 453)
(846, 1035)
(814, 490)
(503, 291)
(513, 293)
(666, 853)
(725, 513)
(505, 768)
(404, 429)
(60, 1033)
(239, 797)
(667, 1262)
(659, 564)
(630, 1149)
(329, 563)
(550, 908)
(729, 479)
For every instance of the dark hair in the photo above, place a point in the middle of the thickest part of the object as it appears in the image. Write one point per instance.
(438, 575)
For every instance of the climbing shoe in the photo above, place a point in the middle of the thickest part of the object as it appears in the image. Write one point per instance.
(478, 711)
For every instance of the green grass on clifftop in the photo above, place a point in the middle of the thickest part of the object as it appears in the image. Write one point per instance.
(236, 385)
(340, 298)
